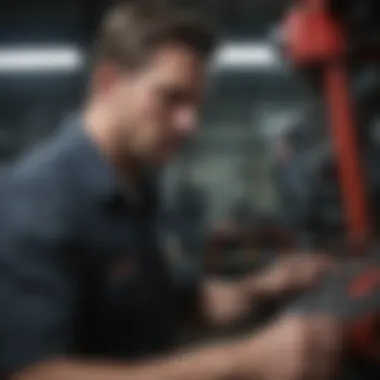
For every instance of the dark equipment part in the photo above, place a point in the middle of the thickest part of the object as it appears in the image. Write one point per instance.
(239, 250)
(352, 294)
(308, 184)
(362, 23)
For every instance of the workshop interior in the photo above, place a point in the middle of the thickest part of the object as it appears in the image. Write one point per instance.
(287, 154)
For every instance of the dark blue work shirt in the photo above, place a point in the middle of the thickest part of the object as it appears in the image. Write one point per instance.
(81, 272)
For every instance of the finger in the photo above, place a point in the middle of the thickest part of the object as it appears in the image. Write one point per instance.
(317, 266)
(326, 362)
(303, 356)
(306, 273)
(318, 258)
(326, 334)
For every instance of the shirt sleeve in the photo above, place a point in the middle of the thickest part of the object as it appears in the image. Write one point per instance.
(38, 290)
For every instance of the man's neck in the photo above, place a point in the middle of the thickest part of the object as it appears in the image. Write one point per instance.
(99, 125)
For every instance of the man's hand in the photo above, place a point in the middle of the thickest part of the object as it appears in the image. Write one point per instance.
(290, 274)
(294, 348)
(224, 303)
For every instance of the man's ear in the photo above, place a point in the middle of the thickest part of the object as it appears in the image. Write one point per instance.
(104, 77)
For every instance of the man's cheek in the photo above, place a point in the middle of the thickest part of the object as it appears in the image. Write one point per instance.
(149, 135)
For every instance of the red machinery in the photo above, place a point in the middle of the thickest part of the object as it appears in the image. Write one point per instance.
(315, 38)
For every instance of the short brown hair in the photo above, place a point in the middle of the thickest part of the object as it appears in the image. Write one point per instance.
(131, 30)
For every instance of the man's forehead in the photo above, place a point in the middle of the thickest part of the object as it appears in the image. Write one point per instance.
(176, 59)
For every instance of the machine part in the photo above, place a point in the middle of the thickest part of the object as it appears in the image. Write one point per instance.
(316, 39)
(351, 294)
(308, 183)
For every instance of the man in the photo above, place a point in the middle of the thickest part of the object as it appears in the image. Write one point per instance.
(85, 293)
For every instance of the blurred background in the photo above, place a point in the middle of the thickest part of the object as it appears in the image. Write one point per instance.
(258, 112)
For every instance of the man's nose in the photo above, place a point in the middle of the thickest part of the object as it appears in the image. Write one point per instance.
(187, 120)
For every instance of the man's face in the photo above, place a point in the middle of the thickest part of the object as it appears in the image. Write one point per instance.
(158, 105)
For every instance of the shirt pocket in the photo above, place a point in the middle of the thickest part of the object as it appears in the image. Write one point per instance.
(125, 290)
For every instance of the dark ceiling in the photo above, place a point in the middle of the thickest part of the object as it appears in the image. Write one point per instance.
(43, 20)
(74, 21)
(241, 16)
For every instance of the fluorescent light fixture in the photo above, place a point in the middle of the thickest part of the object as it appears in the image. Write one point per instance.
(229, 56)
(246, 56)
(32, 60)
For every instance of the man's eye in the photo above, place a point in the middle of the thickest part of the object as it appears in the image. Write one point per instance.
(173, 97)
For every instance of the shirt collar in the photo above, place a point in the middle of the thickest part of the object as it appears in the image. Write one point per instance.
(93, 168)
(100, 178)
